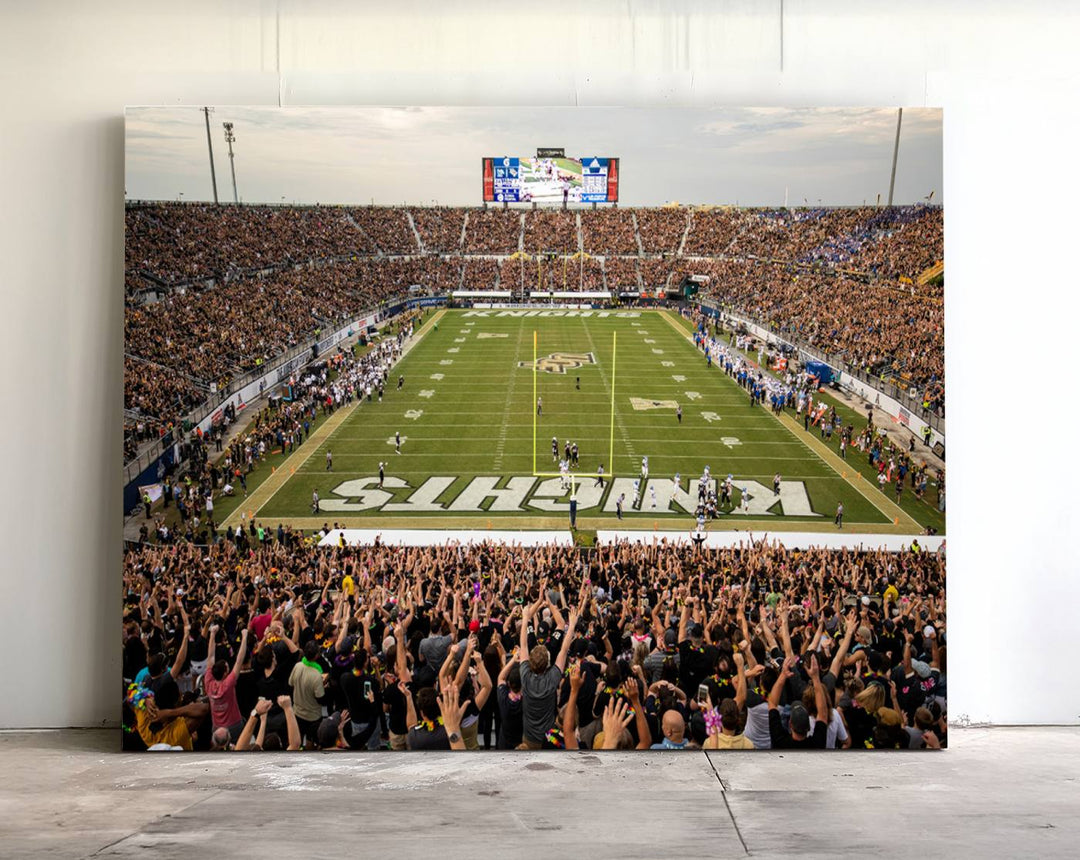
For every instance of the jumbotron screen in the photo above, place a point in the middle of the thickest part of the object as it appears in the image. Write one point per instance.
(511, 179)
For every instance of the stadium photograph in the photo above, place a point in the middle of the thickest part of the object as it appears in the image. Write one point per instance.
(439, 436)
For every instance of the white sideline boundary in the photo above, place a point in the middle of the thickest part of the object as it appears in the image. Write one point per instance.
(789, 540)
(429, 537)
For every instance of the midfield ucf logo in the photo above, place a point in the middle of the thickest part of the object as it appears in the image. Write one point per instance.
(560, 362)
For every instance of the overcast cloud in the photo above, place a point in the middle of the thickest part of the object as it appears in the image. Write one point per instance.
(389, 155)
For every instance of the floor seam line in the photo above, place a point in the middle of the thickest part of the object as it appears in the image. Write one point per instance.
(156, 820)
(727, 806)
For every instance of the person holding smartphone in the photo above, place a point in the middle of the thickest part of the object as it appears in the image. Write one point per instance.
(363, 694)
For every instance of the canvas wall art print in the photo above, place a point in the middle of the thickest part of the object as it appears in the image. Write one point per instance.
(516, 428)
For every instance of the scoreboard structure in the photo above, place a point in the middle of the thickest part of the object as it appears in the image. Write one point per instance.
(516, 179)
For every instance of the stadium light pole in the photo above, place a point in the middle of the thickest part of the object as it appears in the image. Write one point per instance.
(210, 147)
(229, 138)
(895, 152)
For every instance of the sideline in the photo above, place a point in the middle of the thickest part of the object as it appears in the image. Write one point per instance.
(896, 515)
(261, 496)
(441, 521)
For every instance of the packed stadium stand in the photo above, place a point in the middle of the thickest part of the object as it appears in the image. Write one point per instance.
(212, 291)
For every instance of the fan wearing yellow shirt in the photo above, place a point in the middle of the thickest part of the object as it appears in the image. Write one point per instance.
(348, 585)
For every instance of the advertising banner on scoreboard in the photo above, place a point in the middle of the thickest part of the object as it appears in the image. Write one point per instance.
(510, 179)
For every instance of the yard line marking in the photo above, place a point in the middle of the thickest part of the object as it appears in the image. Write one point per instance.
(505, 426)
(524, 454)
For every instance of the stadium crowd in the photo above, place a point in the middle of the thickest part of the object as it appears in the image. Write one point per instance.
(621, 272)
(282, 273)
(608, 231)
(896, 242)
(881, 329)
(492, 231)
(211, 335)
(266, 641)
(661, 230)
(182, 243)
(551, 231)
(388, 228)
(484, 273)
(439, 227)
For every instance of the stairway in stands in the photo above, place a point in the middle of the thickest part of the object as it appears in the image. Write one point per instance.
(415, 232)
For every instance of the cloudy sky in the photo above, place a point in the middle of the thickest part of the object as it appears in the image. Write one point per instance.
(749, 156)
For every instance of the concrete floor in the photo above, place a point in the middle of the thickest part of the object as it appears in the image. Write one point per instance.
(1004, 792)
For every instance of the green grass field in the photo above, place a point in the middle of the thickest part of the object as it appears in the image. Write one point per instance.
(466, 415)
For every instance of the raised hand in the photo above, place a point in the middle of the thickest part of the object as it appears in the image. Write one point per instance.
(451, 708)
(576, 678)
(616, 719)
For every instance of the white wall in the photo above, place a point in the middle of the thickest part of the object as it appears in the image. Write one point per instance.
(1005, 74)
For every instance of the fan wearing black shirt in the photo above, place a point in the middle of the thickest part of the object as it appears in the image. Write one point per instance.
(800, 735)
(511, 721)
(361, 689)
(397, 689)
(696, 659)
(429, 732)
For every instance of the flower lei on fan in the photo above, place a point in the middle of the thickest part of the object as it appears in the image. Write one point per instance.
(619, 693)
(720, 681)
(137, 695)
(428, 725)
(713, 723)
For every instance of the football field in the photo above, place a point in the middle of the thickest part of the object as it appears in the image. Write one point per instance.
(475, 454)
